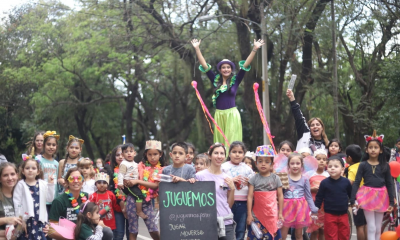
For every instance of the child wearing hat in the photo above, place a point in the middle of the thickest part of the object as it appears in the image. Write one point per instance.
(263, 189)
(225, 87)
(105, 199)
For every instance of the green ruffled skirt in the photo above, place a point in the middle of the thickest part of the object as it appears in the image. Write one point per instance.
(231, 124)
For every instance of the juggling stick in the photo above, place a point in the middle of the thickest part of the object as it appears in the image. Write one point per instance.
(207, 113)
(262, 115)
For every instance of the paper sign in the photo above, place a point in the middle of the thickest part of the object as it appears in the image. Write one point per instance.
(292, 81)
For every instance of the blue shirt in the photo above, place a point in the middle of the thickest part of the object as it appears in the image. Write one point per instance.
(335, 194)
(49, 167)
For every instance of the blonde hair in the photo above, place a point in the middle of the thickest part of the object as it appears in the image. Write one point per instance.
(295, 155)
(86, 162)
(323, 134)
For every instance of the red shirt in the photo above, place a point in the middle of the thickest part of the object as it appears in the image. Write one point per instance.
(107, 199)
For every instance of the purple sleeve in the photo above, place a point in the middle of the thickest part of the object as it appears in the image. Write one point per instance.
(308, 196)
(211, 76)
(239, 78)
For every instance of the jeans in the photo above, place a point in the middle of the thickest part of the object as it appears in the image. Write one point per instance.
(229, 232)
(122, 226)
(239, 210)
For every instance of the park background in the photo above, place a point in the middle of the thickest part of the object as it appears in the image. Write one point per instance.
(100, 69)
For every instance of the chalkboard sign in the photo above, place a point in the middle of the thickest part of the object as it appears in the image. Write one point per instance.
(188, 211)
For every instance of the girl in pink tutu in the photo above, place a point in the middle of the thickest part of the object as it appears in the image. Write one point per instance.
(376, 195)
(297, 200)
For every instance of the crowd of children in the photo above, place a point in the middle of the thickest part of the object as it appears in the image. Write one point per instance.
(249, 191)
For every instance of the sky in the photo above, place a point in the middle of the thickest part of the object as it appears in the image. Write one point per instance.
(7, 5)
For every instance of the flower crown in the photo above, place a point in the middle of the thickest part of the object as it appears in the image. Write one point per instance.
(374, 137)
(51, 134)
(72, 138)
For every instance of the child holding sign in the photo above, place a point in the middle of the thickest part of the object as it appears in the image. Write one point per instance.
(263, 189)
(180, 171)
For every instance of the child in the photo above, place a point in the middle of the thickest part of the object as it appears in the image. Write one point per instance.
(180, 171)
(99, 165)
(225, 86)
(104, 198)
(286, 148)
(305, 152)
(86, 166)
(48, 165)
(89, 225)
(240, 174)
(397, 154)
(37, 144)
(30, 196)
(335, 192)
(191, 152)
(334, 147)
(250, 159)
(376, 196)
(151, 165)
(317, 227)
(297, 199)
(201, 162)
(128, 170)
(74, 149)
(263, 188)
(353, 157)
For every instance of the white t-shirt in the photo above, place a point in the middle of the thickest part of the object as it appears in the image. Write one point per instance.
(243, 170)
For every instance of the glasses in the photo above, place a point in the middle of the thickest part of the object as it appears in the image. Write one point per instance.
(73, 178)
(38, 140)
(101, 182)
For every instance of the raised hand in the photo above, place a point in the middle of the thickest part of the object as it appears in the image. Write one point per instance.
(290, 95)
(258, 44)
(196, 43)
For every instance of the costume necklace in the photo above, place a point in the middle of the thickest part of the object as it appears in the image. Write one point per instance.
(74, 202)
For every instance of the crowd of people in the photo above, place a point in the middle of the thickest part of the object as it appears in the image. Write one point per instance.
(254, 200)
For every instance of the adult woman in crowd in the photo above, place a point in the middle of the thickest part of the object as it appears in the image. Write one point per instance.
(62, 206)
(37, 143)
(224, 188)
(310, 134)
(8, 179)
(120, 221)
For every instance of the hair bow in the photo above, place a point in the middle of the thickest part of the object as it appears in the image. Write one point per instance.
(81, 141)
(51, 134)
(29, 157)
(374, 137)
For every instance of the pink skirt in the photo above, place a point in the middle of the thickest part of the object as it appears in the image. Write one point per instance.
(296, 213)
(373, 199)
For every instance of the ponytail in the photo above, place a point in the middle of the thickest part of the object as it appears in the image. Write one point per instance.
(84, 209)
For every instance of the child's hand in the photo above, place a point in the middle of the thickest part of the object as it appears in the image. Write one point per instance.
(61, 181)
(130, 183)
(51, 178)
(390, 209)
(177, 179)
(120, 186)
(250, 219)
(192, 180)
(290, 95)
(280, 217)
(101, 223)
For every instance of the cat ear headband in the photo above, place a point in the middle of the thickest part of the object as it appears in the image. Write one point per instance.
(79, 140)
(374, 137)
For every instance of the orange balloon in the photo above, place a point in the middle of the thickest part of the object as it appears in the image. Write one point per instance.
(389, 235)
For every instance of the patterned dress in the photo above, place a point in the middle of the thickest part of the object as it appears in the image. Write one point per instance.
(33, 226)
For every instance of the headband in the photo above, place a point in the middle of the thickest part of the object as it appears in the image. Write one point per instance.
(51, 134)
(374, 137)
(83, 209)
(26, 157)
(72, 138)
